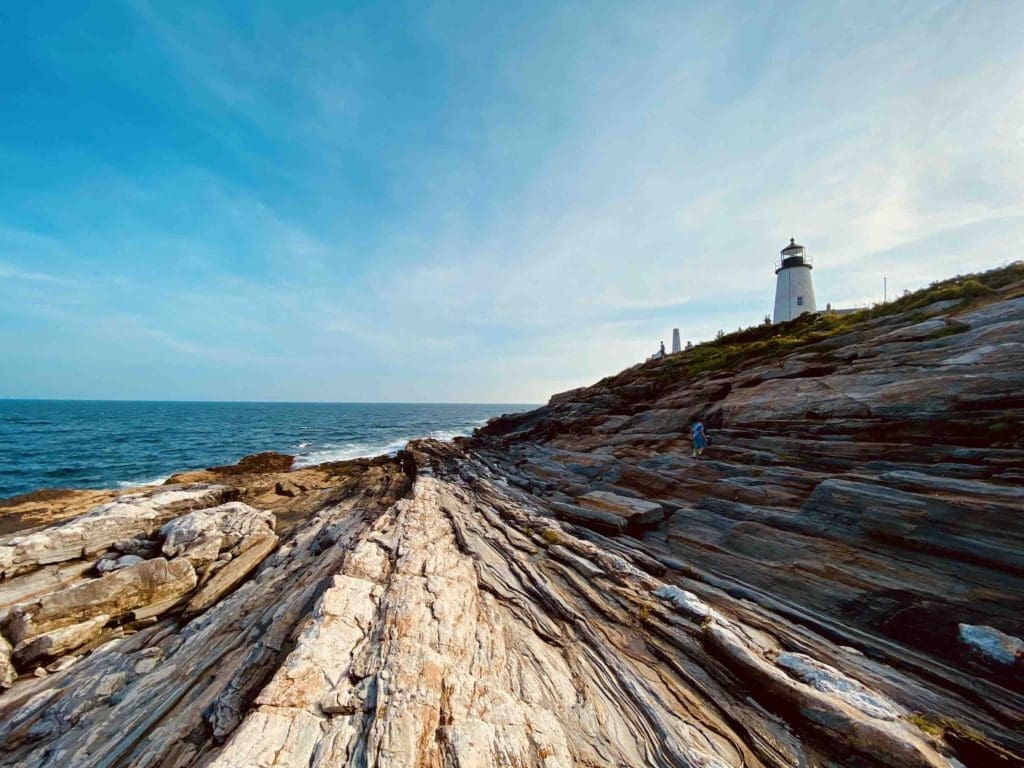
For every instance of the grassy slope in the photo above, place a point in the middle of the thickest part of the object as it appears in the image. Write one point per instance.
(750, 345)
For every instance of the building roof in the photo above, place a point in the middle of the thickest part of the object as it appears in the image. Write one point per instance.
(793, 246)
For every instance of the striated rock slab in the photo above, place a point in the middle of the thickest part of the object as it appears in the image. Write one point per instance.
(200, 536)
(926, 521)
(57, 642)
(595, 518)
(633, 511)
(146, 589)
(98, 530)
(41, 581)
(431, 657)
(253, 549)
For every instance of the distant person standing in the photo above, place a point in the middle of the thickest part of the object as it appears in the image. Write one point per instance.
(661, 352)
(700, 438)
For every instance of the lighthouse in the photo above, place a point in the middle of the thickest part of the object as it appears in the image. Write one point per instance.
(794, 291)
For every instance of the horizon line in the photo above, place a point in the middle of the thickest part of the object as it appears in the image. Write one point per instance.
(255, 402)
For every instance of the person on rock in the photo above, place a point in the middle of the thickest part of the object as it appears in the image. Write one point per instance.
(700, 437)
(661, 352)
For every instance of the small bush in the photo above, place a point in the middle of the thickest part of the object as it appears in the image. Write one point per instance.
(974, 288)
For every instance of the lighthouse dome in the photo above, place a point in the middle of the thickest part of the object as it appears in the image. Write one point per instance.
(793, 247)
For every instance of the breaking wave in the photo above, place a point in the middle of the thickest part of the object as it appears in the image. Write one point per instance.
(368, 449)
(139, 483)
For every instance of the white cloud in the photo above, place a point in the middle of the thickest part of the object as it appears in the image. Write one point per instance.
(598, 177)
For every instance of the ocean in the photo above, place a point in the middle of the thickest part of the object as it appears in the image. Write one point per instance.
(109, 444)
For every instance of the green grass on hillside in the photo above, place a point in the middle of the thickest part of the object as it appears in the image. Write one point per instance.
(760, 341)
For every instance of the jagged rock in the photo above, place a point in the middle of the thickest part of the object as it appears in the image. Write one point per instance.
(107, 565)
(633, 511)
(994, 646)
(144, 548)
(131, 515)
(285, 489)
(200, 536)
(268, 461)
(252, 550)
(146, 589)
(57, 642)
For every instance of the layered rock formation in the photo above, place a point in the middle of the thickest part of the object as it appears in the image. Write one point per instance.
(838, 581)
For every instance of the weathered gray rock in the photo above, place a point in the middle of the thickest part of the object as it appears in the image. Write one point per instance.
(146, 589)
(201, 535)
(57, 642)
(633, 511)
(994, 646)
(129, 516)
(254, 549)
(110, 564)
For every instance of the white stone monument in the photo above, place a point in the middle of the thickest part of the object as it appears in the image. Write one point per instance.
(676, 346)
(794, 290)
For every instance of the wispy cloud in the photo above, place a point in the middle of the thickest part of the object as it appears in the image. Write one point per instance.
(10, 271)
(405, 202)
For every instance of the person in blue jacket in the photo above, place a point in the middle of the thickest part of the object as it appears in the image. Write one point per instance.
(700, 438)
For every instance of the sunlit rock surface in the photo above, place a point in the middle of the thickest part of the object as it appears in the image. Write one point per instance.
(838, 581)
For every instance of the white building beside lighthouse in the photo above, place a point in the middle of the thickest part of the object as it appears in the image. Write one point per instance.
(794, 290)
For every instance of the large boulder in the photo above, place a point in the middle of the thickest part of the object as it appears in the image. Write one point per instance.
(142, 590)
(592, 518)
(130, 516)
(57, 642)
(200, 536)
(632, 511)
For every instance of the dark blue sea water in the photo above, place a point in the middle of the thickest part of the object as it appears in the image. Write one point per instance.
(102, 444)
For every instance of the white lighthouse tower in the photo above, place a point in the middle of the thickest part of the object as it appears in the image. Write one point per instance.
(794, 291)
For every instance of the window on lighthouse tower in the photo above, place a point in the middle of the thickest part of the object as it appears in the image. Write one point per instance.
(799, 301)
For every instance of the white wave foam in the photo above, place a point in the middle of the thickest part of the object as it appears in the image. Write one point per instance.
(349, 451)
(357, 450)
(139, 483)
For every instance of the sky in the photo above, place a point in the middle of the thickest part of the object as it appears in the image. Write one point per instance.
(479, 201)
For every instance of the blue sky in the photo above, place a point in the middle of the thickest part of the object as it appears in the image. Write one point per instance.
(474, 201)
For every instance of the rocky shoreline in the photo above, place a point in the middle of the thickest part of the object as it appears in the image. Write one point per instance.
(839, 581)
